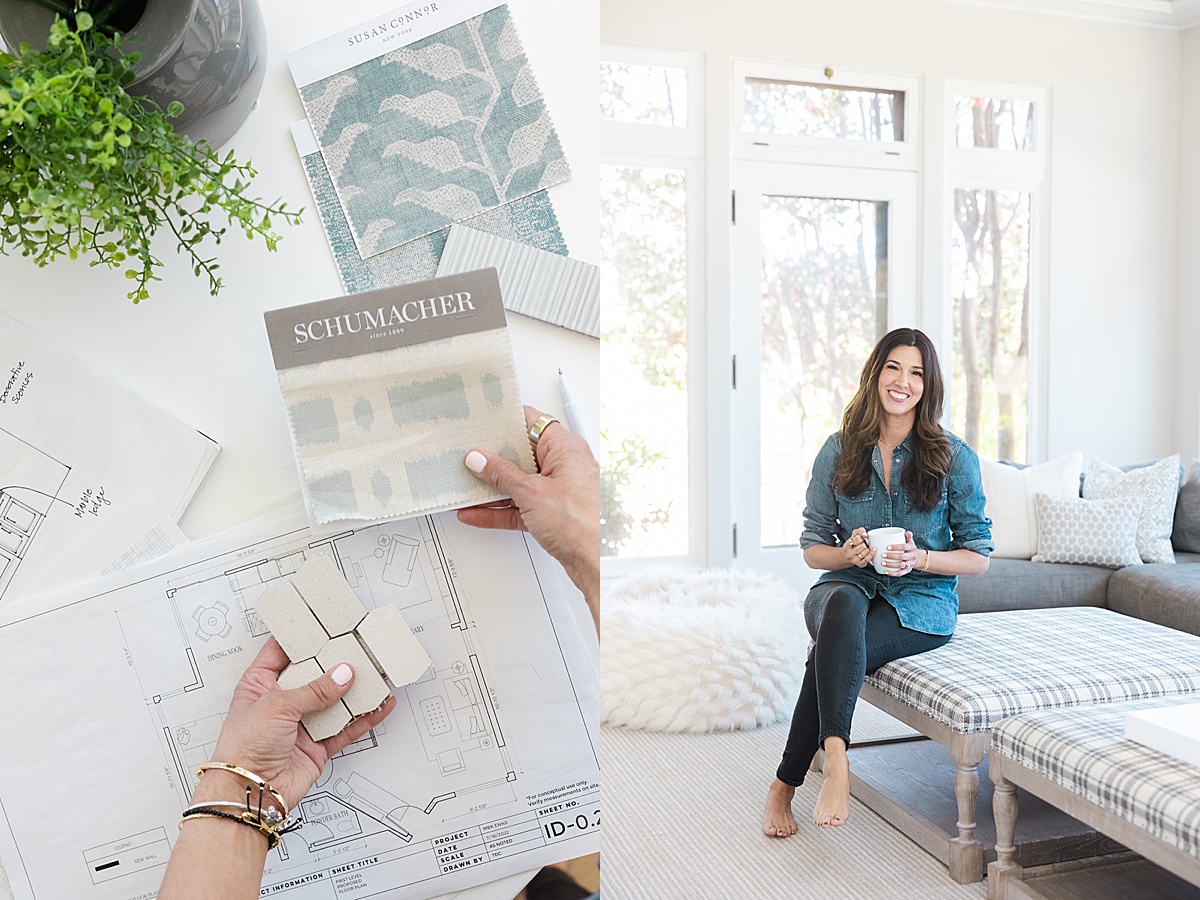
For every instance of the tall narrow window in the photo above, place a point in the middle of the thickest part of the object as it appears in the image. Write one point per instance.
(644, 414)
(649, 189)
(991, 290)
(997, 170)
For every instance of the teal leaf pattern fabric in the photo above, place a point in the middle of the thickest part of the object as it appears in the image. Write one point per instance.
(436, 132)
(529, 220)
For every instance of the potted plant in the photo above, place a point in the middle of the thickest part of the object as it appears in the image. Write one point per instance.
(87, 168)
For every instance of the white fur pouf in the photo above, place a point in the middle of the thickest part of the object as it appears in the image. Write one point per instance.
(700, 651)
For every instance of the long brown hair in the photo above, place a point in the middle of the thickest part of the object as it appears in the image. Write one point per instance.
(925, 475)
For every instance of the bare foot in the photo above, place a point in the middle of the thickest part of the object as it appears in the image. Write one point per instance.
(833, 803)
(778, 820)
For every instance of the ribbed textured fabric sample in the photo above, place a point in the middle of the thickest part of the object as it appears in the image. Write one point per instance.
(534, 283)
(435, 132)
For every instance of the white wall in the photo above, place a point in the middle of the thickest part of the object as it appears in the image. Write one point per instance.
(1114, 175)
(1187, 335)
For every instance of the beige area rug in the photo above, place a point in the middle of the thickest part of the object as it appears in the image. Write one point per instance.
(682, 819)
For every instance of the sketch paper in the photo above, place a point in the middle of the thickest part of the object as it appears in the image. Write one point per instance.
(552, 288)
(529, 220)
(387, 391)
(488, 766)
(76, 446)
(419, 132)
(136, 532)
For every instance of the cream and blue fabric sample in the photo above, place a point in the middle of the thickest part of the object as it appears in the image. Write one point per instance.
(533, 283)
(383, 435)
(435, 132)
(529, 220)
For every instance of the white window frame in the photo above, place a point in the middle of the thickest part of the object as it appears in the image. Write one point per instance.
(759, 158)
(624, 144)
(826, 151)
(978, 168)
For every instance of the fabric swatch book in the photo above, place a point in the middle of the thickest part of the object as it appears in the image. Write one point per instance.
(78, 450)
(427, 115)
(387, 391)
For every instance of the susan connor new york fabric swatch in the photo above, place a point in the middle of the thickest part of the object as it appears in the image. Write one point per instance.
(381, 433)
(528, 220)
(435, 132)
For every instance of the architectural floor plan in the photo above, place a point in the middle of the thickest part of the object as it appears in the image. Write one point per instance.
(33, 481)
(488, 765)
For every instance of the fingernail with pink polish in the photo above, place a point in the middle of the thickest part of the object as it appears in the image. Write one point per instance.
(342, 674)
(476, 461)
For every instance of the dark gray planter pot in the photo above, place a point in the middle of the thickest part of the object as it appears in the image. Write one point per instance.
(210, 55)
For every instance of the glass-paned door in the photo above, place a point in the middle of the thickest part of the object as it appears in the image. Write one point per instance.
(824, 261)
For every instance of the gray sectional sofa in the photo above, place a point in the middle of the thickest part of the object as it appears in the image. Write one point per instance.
(1155, 592)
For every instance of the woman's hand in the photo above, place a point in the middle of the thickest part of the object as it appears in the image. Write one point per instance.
(560, 507)
(262, 731)
(900, 559)
(856, 550)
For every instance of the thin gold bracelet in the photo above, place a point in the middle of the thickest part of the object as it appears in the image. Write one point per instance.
(926, 566)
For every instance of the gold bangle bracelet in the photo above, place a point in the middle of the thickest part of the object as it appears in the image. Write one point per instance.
(926, 566)
(256, 780)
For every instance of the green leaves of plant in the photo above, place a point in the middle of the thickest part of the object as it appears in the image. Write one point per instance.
(87, 169)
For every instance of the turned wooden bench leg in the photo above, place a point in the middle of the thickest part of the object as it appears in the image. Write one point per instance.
(1004, 809)
(966, 852)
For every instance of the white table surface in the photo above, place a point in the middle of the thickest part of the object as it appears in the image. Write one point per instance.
(207, 359)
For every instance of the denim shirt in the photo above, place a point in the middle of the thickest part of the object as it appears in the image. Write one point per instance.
(924, 601)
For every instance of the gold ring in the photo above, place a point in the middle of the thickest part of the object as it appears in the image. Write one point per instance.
(538, 428)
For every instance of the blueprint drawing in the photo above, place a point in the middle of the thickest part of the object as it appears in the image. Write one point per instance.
(487, 767)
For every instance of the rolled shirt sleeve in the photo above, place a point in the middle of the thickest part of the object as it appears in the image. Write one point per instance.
(970, 528)
(821, 508)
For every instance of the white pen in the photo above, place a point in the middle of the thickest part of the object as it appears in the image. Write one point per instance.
(575, 417)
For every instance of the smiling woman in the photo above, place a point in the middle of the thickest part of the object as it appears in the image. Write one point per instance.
(891, 466)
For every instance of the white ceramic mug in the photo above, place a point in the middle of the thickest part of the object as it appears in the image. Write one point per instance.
(878, 539)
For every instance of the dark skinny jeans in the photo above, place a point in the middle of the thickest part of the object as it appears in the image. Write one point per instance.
(853, 635)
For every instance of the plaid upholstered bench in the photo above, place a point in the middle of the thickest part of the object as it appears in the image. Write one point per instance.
(1005, 664)
(1079, 760)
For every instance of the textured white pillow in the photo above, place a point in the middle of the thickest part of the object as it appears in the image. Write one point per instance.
(1156, 485)
(1091, 532)
(700, 651)
(1009, 492)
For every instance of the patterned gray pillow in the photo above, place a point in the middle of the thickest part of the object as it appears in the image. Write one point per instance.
(1186, 534)
(1156, 485)
(1089, 532)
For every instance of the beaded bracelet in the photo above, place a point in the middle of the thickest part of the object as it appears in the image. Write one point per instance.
(271, 822)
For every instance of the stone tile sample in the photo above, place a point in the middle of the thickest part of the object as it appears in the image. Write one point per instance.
(324, 722)
(289, 618)
(320, 622)
(324, 588)
(393, 646)
(369, 688)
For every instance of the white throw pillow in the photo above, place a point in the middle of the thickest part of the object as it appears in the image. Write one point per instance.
(1156, 485)
(1088, 532)
(1010, 491)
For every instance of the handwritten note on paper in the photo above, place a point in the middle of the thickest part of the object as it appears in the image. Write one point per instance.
(75, 448)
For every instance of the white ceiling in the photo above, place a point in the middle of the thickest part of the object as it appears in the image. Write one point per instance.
(1176, 14)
